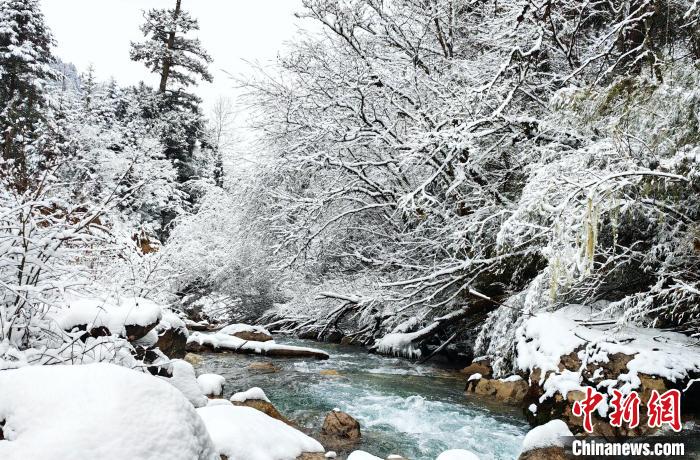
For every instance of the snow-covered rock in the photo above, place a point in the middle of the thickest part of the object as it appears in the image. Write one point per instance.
(128, 317)
(257, 399)
(243, 433)
(184, 379)
(253, 393)
(362, 455)
(563, 355)
(551, 434)
(97, 411)
(457, 454)
(172, 335)
(198, 342)
(211, 384)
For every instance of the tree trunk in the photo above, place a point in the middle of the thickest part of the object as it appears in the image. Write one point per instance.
(168, 61)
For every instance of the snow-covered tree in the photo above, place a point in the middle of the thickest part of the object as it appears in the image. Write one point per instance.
(168, 52)
(467, 161)
(179, 60)
(25, 69)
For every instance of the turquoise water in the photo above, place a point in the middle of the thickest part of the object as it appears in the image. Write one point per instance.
(416, 411)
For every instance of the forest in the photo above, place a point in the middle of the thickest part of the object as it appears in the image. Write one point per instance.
(510, 189)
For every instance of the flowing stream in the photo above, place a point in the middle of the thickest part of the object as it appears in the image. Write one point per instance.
(404, 408)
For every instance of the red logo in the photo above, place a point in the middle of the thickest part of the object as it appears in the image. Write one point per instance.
(661, 409)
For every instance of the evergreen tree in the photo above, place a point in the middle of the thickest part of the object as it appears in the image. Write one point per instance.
(179, 60)
(168, 52)
(25, 67)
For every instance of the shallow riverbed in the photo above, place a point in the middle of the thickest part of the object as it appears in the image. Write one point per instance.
(403, 408)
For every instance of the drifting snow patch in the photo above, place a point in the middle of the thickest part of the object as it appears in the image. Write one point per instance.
(551, 434)
(244, 433)
(211, 384)
(253, 393)
(108, 411)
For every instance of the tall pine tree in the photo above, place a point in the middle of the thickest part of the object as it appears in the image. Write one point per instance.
(179, 60)
(25, 68)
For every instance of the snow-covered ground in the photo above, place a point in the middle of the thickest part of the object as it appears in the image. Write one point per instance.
(101, 410)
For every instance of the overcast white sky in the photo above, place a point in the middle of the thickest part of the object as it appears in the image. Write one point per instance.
(99, 32)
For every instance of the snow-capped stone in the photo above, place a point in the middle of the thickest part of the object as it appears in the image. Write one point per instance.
(211, 384)
(243, 433)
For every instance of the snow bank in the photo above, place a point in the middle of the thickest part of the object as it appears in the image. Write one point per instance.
(551, 434)
(114, 314)
(211, 384)
(244, 433)
(270, 348)
(108, 411)
(253, 393)
(457, 454)
(544, 338)
(184, 379)
(362, 455)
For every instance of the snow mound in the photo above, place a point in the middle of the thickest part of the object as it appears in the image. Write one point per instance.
(211, 384)
(244, 433)
(551, 434)
(184, 379)
(457, 454)
(235, 328)
(113, 314)
(253, 393)
(362, 455)
(108, 411)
